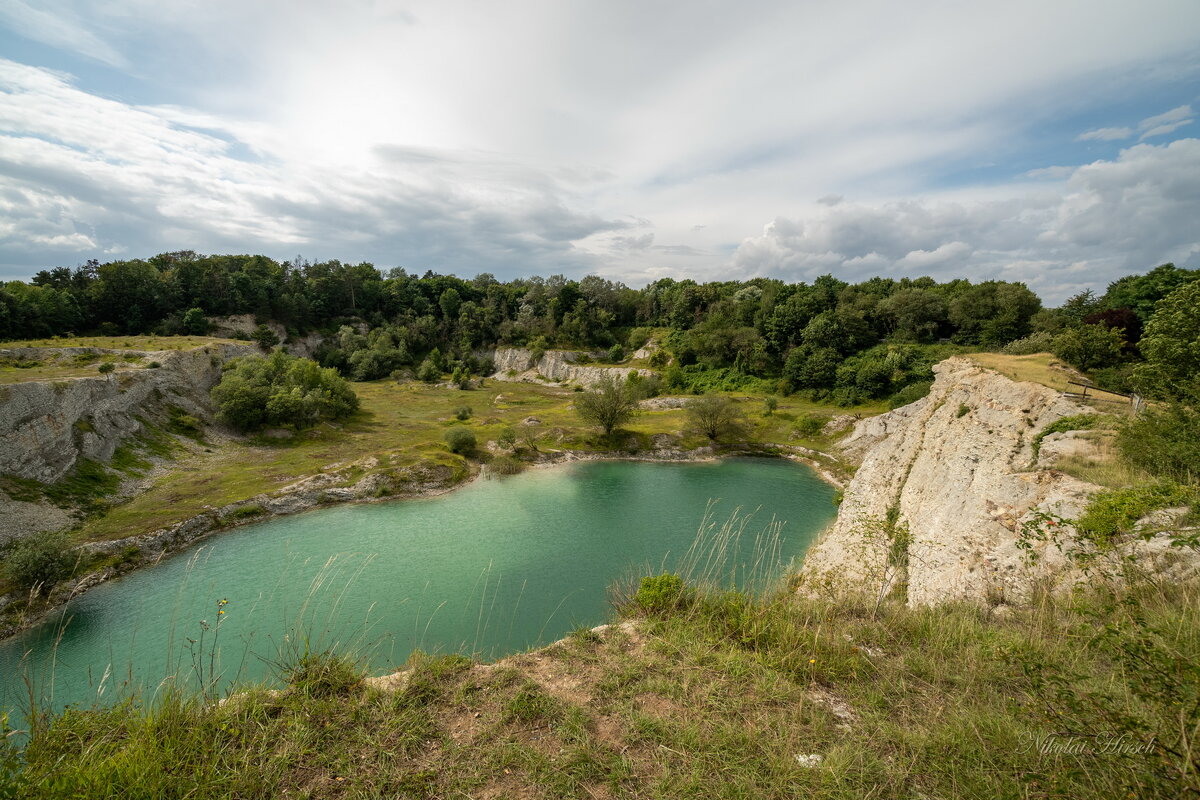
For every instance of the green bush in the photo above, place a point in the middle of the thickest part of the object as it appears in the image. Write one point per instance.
(910, 394)
(281, 390)
(106, 367)
(616, 353)
(1116, 512)
(462, 413)
(963, 410)
(38, 561)
(507, 437)
(811, 425)
(661, 593)
(265, 337)
(428, 371)
(1075, 422)
(460, 439)
(1164, 441)
(506, 465)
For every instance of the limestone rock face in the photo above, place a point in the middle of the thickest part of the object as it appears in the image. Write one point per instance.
(47, 426)
(953, 471)
(556, 365)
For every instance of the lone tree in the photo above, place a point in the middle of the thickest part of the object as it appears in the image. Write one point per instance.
(714, 415)
(609, 405)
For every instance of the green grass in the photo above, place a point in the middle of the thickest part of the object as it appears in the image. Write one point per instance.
(122, 342)
(717, 698)
(399, 433)
(73, 364)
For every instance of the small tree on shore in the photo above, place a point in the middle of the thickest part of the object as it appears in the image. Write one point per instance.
(610, 404)
(39, 561)
(714, 415)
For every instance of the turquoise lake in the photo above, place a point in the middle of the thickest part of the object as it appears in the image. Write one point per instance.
(495, 567)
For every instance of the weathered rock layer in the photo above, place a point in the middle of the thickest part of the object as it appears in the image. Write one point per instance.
(555, 365)
(48, 427)
(944, 489)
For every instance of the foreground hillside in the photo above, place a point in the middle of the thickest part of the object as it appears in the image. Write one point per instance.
(696, 695)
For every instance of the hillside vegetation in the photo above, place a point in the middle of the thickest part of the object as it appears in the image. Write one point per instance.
(695, 690)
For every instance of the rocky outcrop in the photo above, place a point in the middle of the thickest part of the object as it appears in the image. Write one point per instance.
(240, 326)
(518, 364)
(945, 488)
(48, 427)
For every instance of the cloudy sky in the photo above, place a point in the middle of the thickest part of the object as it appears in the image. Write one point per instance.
(1055, 143)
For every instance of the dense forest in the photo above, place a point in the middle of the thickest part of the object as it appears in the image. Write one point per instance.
(840, 341)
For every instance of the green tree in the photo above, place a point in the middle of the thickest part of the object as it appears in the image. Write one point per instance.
(194, 322)
(914, 315)
(265, 337)
(1141, 292)
(609, 405)
(281, 390)
(38, 561)
(993, 313)
(715, 416)
(450, 302)
(1171, 347)
(1088, 346)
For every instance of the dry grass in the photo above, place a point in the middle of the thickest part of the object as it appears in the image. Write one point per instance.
(1047, 370)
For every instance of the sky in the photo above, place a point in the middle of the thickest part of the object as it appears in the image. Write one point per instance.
(1054, 143)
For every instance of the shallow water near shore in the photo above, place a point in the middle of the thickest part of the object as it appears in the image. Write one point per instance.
(490, 569)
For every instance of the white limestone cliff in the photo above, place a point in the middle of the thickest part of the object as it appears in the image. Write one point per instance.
(943, 491)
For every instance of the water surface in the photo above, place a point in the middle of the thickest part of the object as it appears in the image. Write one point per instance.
(495, 567)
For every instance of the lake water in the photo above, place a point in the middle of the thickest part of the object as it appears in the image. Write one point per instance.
(493, 568)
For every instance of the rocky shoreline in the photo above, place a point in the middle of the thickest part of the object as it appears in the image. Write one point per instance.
(317, 492)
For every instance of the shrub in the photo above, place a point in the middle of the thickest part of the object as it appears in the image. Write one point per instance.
(506, 465)
(1116, 512)
(769, 405)
(460, 439)
(428, 371)
(265, 337)
(616, 353)
(661, 593)
(611, 404)
(537, 349)
(910, 394)
(462, 413)
(1164, 441)
(153, 365)
(281, 390)
(1075, 422)
(811, 425)
(38, 561)
(106, 367)
(507, 437)
(246, 512)
(963, 410)
(715, 416)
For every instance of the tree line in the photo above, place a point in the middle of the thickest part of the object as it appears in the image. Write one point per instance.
(846, 342)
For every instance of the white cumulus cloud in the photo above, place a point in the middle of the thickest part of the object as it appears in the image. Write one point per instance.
(1108, 219)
